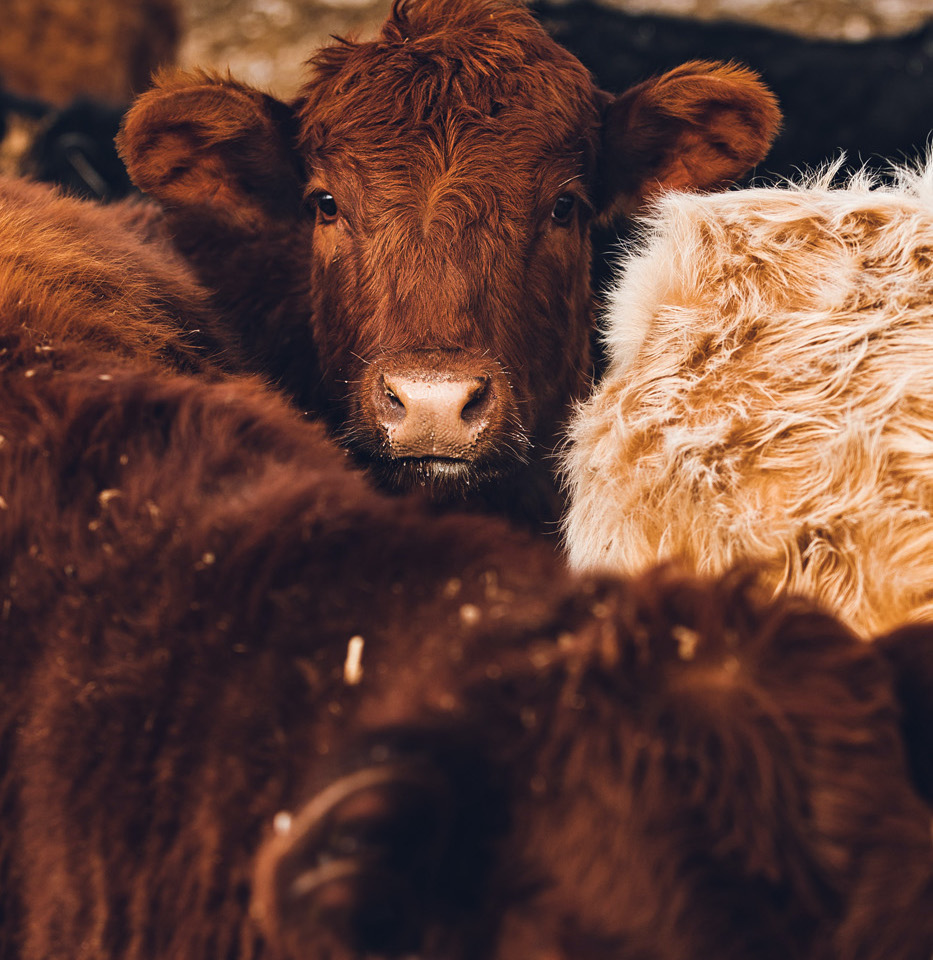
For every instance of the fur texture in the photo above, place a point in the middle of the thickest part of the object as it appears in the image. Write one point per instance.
(527, 767)
(450, 171)
(769, 397)
(188, 554)
(519, 764)
(85, 281)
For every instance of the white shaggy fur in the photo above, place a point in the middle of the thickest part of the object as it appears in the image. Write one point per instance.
(770, 396)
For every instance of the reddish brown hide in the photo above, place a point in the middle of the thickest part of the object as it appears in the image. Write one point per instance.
(688, 773)
(451, 170)
(97, 284)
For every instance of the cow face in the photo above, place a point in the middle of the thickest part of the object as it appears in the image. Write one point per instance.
(450, 172)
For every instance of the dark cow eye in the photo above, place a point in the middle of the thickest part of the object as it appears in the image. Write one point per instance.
(563, 208)
(327, 206)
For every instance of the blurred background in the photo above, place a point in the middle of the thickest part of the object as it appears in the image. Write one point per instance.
(853, 75)
(267, 40)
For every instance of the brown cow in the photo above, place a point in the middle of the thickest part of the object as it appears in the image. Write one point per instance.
(688, 773)
(451, 170)
(92, 282)
(250, 710)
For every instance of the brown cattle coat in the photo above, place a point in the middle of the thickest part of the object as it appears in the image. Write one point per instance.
(98, 281)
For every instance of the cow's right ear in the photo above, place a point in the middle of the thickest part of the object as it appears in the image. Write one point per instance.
(198, 142)
(699, 126)
(381, 857)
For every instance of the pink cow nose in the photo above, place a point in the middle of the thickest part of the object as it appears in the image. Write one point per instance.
(435, 415)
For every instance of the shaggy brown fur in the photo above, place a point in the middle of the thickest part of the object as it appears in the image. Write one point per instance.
(451, 170)
(57, 50)
(169, 550)
(662, 769)
(769, 398)
(90, 281)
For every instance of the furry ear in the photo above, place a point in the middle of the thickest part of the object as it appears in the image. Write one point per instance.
(356, 863)
(200, 142)
(910, 653)
(379, 858)
(697, 127)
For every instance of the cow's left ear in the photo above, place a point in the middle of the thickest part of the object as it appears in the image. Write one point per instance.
(198, 142)
(697, 127)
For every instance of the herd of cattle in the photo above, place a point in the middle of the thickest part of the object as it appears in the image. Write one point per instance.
(292, 664)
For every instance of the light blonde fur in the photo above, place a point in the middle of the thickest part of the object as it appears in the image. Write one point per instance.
(770, 396)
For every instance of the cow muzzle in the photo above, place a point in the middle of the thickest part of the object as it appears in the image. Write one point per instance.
(451, 411)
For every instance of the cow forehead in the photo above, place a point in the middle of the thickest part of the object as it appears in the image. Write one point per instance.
(470, 176)
(445, 74)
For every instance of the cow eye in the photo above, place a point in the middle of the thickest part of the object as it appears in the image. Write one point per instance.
(563, 208)
(327, 206)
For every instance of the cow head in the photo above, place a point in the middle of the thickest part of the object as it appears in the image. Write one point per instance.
(437, 187)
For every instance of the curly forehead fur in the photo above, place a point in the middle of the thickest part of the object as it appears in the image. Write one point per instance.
(769, 396)
(459, 100)
(432, 57)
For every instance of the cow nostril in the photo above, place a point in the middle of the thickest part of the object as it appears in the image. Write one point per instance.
(477, 401)
(391, 401)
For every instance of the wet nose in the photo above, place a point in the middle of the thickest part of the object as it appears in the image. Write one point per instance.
(430, 416)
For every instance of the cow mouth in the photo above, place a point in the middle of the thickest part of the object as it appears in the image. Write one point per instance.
(443, 478)
(446, 467)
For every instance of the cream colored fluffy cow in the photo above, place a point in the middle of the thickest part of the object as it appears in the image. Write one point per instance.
(770, 396)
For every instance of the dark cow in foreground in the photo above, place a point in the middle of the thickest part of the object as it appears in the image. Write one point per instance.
(252, 710)
(420, 216)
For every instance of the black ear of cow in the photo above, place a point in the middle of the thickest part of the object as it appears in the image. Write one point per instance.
(910, 652)
(206, 143)
(379, 858)
(699, 126)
